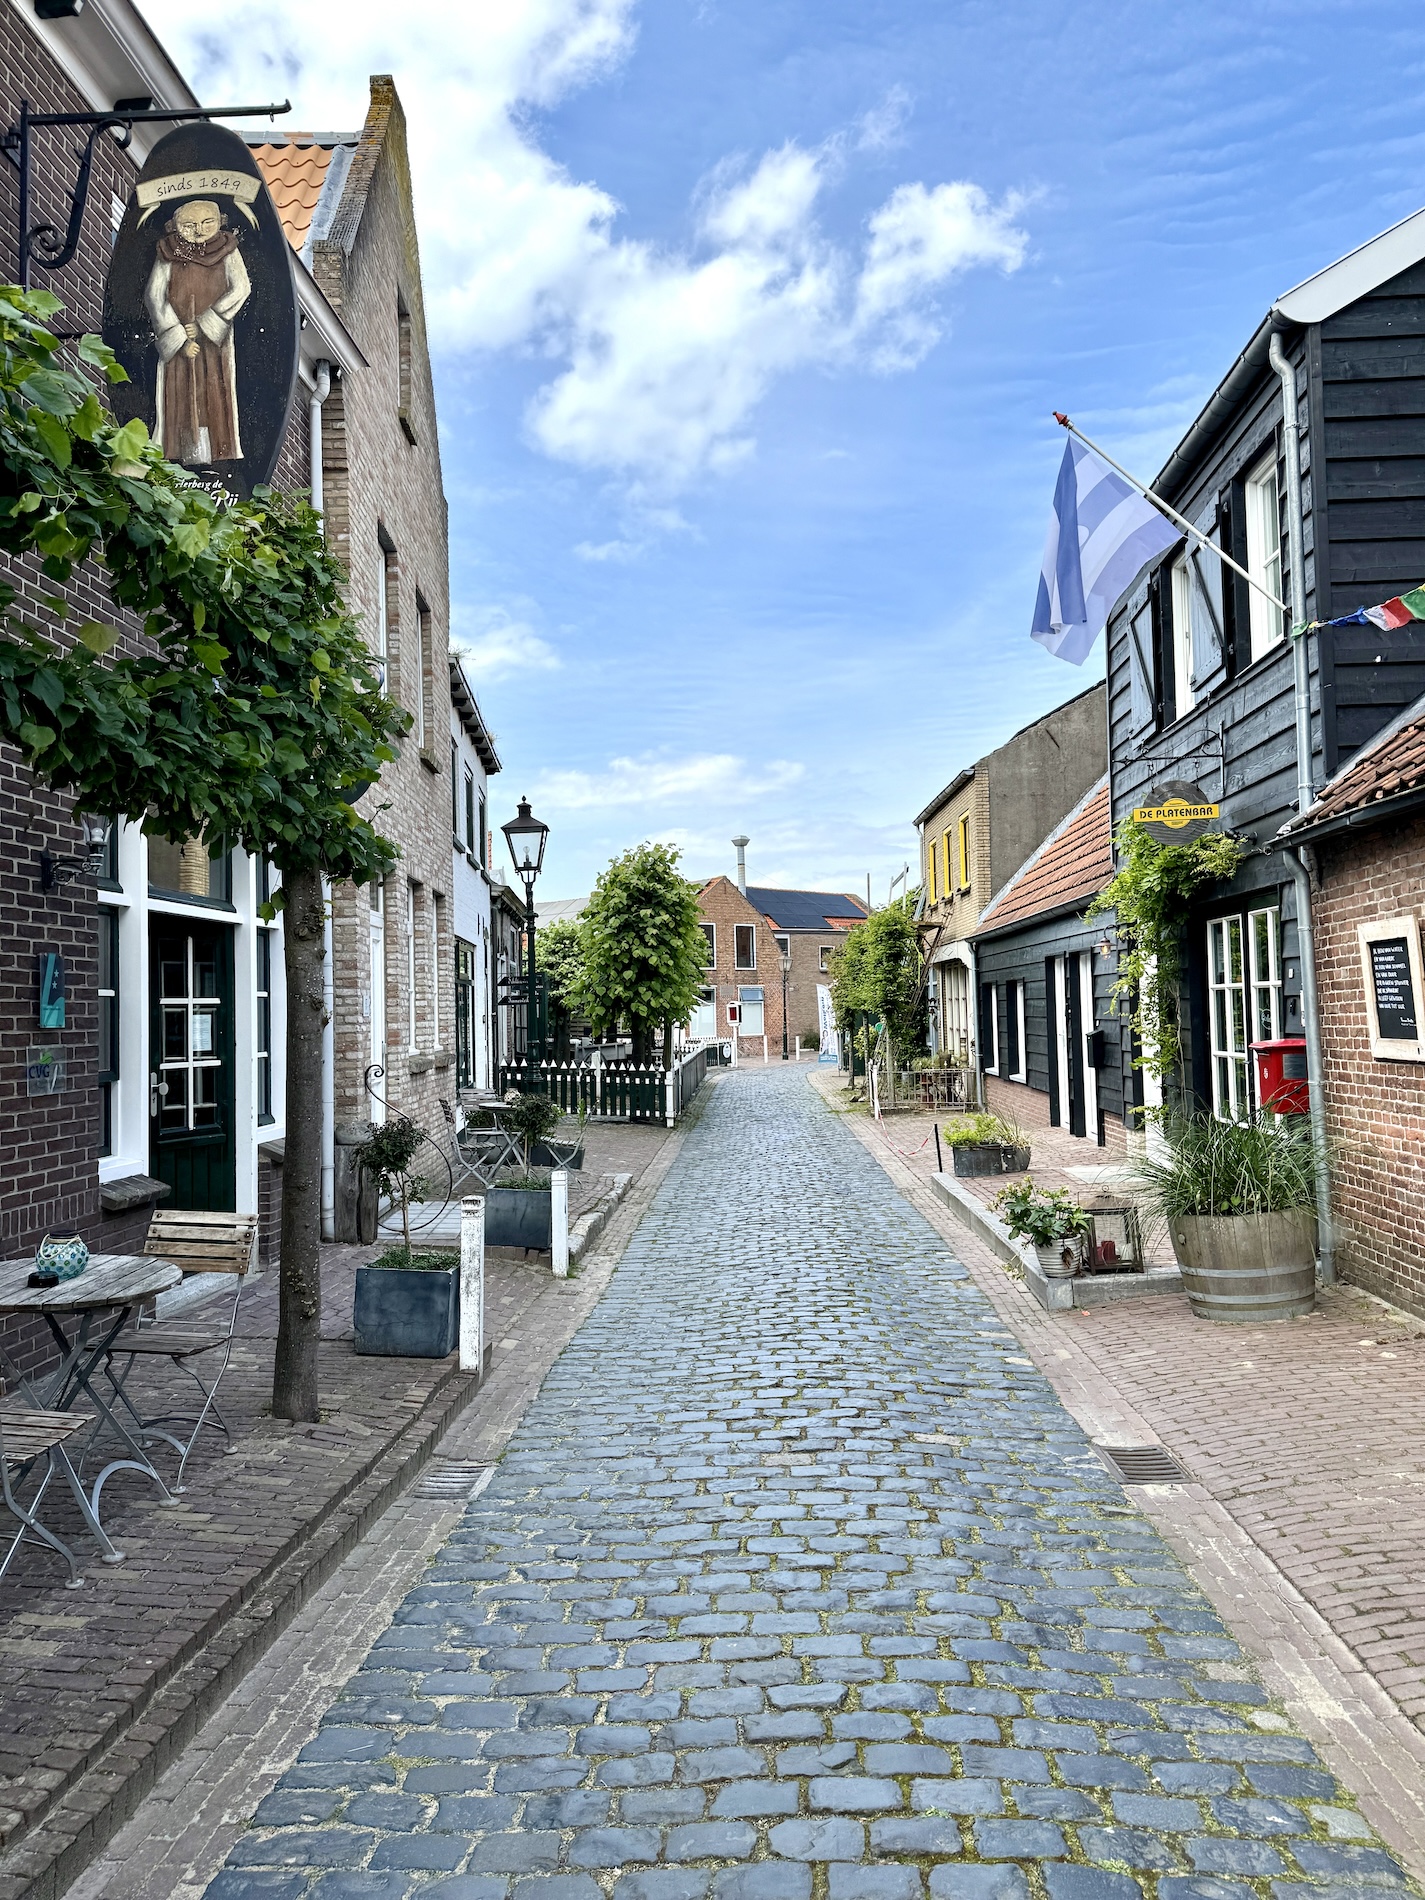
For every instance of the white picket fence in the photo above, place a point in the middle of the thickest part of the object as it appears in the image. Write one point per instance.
(615, 1091)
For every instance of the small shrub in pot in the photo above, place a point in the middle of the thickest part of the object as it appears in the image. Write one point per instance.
(986, 1144)
(1051, 1220)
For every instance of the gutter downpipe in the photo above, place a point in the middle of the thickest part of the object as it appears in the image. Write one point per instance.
(321, 389)
(1301, 860)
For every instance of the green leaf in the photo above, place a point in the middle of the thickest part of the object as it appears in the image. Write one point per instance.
(96, 636)
(200, 616)
(52, 391)
(55, 437)
(128, 443)
(88, 419)
(36, 738)
(321, 660)
(191, 537)
(93, 350)
(210, 654)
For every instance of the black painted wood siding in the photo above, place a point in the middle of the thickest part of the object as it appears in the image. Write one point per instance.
(1368, 362)
(1019, 957)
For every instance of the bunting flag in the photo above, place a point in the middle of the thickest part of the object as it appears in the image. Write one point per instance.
(1389, 615)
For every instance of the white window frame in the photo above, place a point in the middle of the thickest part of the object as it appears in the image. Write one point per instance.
(710, 932)
(1264, 555)
(750, 998)
(1229, 1059)
(1183, 700)
(1265, 974)
(411, 1015)
(383, 611)
(989, 1058)
(737, 930)
(824, 960)
(436, 906)
(1016, 1000)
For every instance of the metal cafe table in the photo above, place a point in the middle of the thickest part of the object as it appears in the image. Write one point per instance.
(85, 1315)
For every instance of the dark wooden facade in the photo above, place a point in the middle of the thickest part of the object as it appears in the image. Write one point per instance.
(1360, 386)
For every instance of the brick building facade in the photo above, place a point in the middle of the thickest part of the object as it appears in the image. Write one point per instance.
(1368, 830)
(748, 933)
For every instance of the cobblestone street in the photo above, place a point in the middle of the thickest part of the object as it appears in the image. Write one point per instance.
(798, 1580)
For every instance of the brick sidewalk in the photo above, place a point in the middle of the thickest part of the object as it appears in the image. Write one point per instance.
(1309, 1434)
(100, 1687)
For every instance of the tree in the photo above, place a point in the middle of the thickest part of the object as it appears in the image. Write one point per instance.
(257, 717)
(561, 960)
(644, 954)
(878, 969)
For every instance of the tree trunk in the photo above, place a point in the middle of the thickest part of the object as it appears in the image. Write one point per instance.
(299, 1325)
(667, 1047)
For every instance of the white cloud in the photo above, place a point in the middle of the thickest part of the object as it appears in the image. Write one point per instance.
(618, 551)
(663, 354)
(502, 645)
(655, 781)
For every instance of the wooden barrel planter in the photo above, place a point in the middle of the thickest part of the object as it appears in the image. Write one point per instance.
(1245, 1268)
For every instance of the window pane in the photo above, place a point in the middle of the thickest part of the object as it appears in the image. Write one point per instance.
(205, 1098)
(205, 972)
(1234, 942)
(204, 1024)
(1219, 968)
(710, 934)
(175, 1035)
(173, 1115)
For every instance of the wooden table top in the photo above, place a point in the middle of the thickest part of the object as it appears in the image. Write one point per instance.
(110, 1279)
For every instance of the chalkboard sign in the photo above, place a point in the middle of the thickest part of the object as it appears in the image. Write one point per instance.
(1394, 985)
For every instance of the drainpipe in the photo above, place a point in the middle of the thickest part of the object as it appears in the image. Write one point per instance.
(741, 844)
(1299, 861)
(321, 389)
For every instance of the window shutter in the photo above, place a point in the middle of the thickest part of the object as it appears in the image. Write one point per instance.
(1011, 1041)
(987, 1024)
(1208, 645)
(1236, 596)
(1140, 661)
(1051, 1005)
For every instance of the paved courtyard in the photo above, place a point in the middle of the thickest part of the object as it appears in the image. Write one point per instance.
(797, 1582)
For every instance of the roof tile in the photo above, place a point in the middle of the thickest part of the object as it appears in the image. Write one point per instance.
(1071, 866)
(1394, 764)
(294, 172)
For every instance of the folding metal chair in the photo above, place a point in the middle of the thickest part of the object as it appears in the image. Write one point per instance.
(198, 1243)
(486, 1152)
(25, 1437)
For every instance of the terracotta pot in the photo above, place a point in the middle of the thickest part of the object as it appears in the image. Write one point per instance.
(1244, 1268)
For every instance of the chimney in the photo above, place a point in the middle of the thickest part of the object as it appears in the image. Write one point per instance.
(741, 844)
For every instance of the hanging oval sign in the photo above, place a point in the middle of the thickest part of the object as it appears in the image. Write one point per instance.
(200, 307)
(1179, 813)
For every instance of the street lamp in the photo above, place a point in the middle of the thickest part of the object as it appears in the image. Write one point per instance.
(526, 836)
(786, 972)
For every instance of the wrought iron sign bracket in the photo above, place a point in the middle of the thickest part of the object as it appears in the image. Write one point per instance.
(42, 243)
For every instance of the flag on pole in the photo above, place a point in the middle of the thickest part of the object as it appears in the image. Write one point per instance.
(1101, 533)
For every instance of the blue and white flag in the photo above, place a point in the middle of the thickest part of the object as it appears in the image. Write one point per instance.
(1101, 534)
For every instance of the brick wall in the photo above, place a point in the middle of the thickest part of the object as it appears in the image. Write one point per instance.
(385, 507)
(1375, 1109)
(723, 905)
(1018, 1102)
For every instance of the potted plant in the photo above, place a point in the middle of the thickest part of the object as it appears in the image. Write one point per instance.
(1051, 1220)
(1238, 1199)
(518, 1208)
(986, 1144)
(565, 1150)
(407, 1304)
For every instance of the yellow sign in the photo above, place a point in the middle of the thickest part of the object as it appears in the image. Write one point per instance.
(1176, 813)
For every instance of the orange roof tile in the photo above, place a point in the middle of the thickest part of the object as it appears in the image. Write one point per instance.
(1071, 866)
(295, 172)
(1386, 767)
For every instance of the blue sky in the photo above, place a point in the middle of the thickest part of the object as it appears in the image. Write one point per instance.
(749, 316)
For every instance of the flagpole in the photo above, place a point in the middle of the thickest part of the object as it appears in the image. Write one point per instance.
(1180, 521)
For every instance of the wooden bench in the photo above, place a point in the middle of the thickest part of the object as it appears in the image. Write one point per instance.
(197, 1242)
(26, 1436)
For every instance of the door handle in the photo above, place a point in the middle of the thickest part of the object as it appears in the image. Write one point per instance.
(157, 1092)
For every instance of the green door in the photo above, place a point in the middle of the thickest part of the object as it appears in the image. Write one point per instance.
(191, 1062)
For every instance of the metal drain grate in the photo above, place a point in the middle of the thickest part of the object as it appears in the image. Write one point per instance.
(450, 1478)
(1143, 1464)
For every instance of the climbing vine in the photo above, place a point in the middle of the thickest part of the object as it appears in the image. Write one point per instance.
(1149, 899)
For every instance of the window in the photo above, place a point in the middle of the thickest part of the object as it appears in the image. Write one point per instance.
(107, 1058)
(1227, 1018)
(190, 1057)
(930, 872)
(751, 1005)
(1182, 639)
(989, 1029)
(410, 965)
(744, 944)
(403, 370)
(710, 932)
(946, 881)
(108, 878)
(471, 844)
(264, 1026)
(703, 1022)
(422, 683)
(784, 946)
(186, 870)
(1264, 555)
(437, 931)
(374, 1002)
(384, 562)
(482, 840)
(964, 847)
(464, 1014)
(1014, 1031)
(955, 1012)
(455, 791)
(825, 958)
(1264, 939)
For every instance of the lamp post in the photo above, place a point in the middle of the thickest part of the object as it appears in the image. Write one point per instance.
(526, 836)
(786, 972)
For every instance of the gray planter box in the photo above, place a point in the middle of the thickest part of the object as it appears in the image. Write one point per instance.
(403, 1313)
(990, 1157)
(546, 1157)
(519, 1217)
(1248, 1267)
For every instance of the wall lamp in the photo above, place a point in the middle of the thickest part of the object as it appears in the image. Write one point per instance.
(55, 871)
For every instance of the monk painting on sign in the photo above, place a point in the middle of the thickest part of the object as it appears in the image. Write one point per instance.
(197, 286)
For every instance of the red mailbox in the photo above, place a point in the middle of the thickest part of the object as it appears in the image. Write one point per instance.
(1282, 1085)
